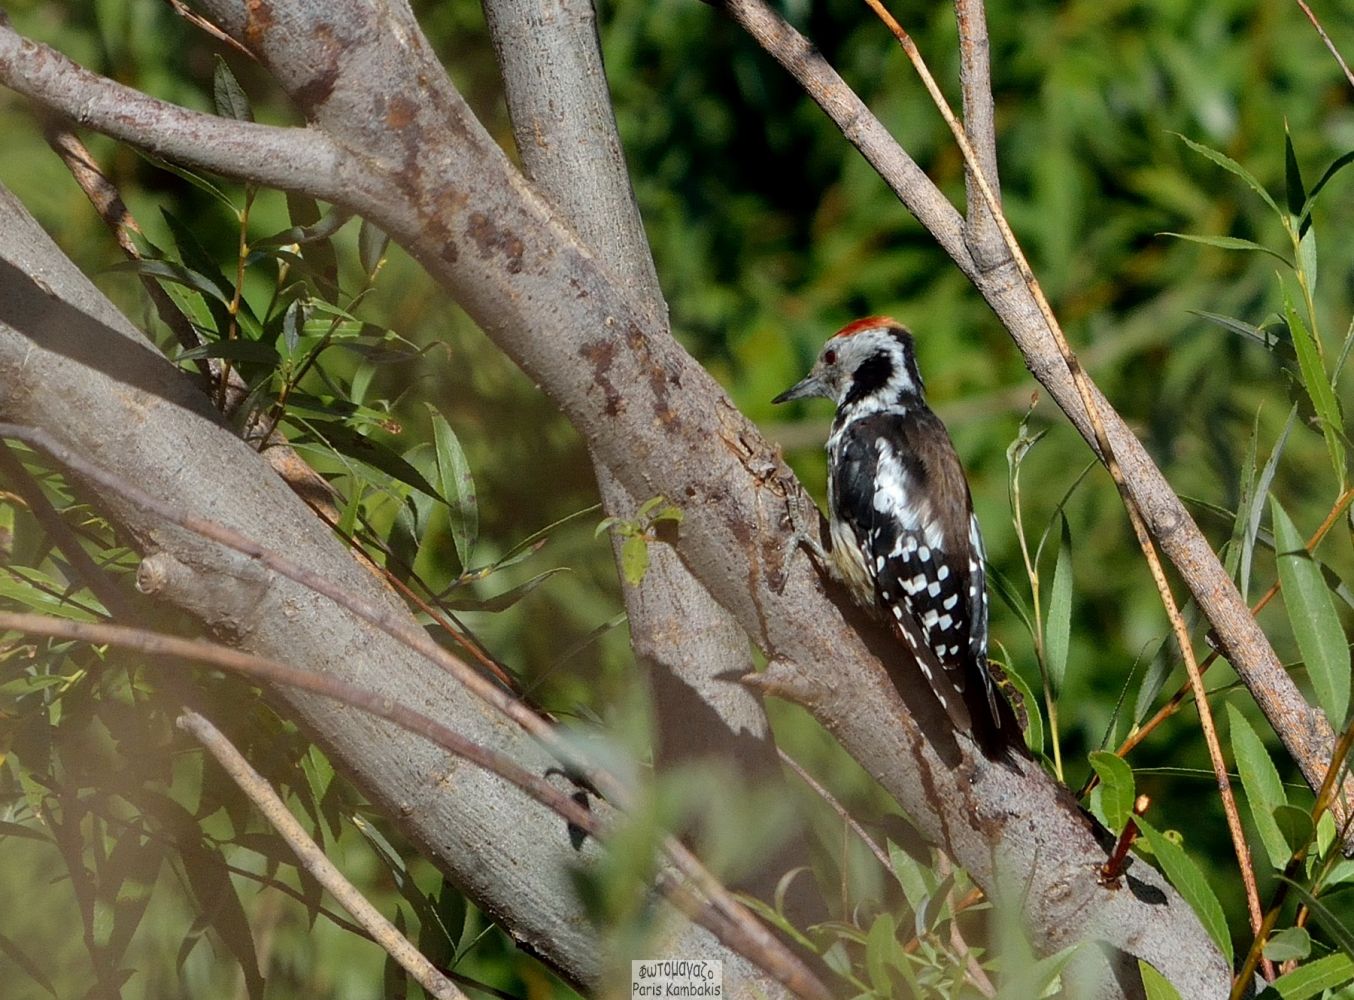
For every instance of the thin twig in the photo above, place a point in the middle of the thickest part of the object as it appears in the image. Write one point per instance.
(1311, 16)
(732, 919)
(202, 24)
(108, 203)
(312, 858)
(840, 810)
(1107, 456)
(263, 669)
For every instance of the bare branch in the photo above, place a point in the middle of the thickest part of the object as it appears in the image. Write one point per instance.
(980, 125)
(566, 134)
(313, 860)
(294, 159)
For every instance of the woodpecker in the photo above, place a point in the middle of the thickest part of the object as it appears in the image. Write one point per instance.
(905, 540)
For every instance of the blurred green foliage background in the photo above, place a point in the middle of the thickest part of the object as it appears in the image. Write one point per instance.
(770, 232)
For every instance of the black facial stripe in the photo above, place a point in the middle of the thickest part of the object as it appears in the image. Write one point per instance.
(872, 375)
(909, 353)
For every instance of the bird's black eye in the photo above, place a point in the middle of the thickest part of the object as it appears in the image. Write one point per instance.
(829, 357)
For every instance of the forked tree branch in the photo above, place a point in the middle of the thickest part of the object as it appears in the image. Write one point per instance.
(560, 106)
(438, 184)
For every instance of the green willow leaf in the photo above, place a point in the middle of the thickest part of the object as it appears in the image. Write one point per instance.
(1231, 166)
(1229, 243)
(1317, 383)
(230, 98)
(1289, 944)
(1311, 980)
(458, 487)
(1155, 985)
(1058, 628)
(1116, 788)
(1311, 610)
(1189, 881)
(1260, 779)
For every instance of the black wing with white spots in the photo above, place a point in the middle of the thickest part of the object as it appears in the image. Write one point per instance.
(898, 485)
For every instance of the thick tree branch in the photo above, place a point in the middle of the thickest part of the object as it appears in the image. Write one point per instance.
(440, 185)
(71, 364)
(570, 148)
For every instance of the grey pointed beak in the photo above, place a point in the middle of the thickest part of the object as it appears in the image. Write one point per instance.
(805, 388)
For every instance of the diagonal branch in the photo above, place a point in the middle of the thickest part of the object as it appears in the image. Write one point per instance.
(313, 859)
(980, 125)
(560, 106)
(1305, 733)
(294, 159)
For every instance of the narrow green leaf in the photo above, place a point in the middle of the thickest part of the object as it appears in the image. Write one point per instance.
(235, 350)
(1317, 383)
(294, 323)
(165, 270)
(371, 247)
(1153, 680)
(322, 228)
(196, 180)
(505, 600)
(879, 950)
(458, 487)
(1230, 243)
(1339, 164)
(1295, 825)
(1307, 259)
(30, 968)
(1321, 640)
(1338, 930)
(1034, 723)
(1058, 628)
(907, 870)
(1155, 985)
(635, 559)
(1189, 881)
(1230, 165)
(1311, 980)
(231, 100)
(1292, 175)
(1002, 587)
(1116, 788)
(1289, 944)
(1257, 511)
(1265, 336)
(1264, 788)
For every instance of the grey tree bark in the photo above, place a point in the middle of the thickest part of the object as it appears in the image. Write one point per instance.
(569, 146)
(71, 364)
(391, 138)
